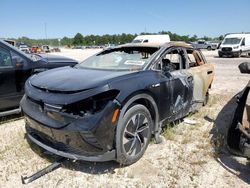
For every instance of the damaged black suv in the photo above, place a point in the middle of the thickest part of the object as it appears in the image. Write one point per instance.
(109, 106)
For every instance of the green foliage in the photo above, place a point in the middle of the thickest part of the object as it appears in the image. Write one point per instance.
(78, 39)
(117, 39)
(66, 41)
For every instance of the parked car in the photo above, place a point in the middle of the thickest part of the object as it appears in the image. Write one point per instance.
(35, 49)
(24, 48)
(161, 39)
(109, 106)
(235, 45)
(15, 68)
(238, 137)
(45, 48)
(55, 49)
(202, 44)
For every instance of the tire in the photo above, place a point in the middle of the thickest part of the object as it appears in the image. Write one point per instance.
(209, 48)
(238, 54)
(220, 55)
(132, 136)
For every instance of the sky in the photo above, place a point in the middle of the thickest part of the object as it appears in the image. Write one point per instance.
(67, 17)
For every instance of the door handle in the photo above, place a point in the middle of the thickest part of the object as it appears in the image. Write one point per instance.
(209, 72)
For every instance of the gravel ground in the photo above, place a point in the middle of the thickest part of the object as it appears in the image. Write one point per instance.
(190, 156)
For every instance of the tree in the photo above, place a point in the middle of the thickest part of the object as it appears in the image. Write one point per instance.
(221, 37)
(66, 41)
(78, 39)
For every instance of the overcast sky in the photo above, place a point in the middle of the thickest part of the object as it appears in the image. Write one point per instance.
(66, 18)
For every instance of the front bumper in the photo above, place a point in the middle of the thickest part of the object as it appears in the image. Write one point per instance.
(229, 53)
(108, 156)
(90, 138)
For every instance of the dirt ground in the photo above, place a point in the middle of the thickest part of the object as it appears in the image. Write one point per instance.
(190, 156)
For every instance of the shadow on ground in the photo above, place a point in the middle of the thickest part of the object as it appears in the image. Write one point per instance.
(236, 165)
(10, 118)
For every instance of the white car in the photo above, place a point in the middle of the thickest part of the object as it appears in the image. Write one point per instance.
(24, 48)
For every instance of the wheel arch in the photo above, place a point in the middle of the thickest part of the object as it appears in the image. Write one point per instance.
(144, 98)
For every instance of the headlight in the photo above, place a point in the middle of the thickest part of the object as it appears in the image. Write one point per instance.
(91, 105)
(235, 47)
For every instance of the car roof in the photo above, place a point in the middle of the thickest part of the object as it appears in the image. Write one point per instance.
(157, 45)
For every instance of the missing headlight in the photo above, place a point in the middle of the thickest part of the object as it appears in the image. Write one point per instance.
(92, 104)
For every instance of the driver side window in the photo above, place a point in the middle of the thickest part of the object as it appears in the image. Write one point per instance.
(5, 58)
(171, 61)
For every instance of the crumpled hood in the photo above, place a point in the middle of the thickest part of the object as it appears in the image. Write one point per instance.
(70, 79)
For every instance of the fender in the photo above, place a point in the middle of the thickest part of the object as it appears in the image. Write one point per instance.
(141, 96)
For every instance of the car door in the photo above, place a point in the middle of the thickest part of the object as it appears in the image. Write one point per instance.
(202, 73)
(175, 86)
(7, 80)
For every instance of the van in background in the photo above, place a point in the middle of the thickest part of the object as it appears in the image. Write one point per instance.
(160, 39)
(235, 45)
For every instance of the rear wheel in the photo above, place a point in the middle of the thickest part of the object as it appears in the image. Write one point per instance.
(133, 134)
(209, 48)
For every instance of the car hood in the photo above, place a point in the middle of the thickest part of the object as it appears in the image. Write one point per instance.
(70, 79)
(228, 45)
(56, 58)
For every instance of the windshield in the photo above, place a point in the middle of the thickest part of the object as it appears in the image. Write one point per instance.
(231, 41)
(119, 59)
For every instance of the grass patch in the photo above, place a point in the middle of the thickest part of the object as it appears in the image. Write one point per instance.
(168, 132)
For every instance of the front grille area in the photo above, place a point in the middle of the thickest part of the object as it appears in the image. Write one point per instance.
(40, 103)
(226, 49)
(61, 146)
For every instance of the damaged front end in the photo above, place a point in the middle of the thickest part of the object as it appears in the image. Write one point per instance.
(238, 138)
(79, 126)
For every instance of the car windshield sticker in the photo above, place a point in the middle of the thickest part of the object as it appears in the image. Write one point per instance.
(134, 62)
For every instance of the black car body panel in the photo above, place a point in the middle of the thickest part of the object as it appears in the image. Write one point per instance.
(238, 137)
(72, 115)
(61, 79)
(16, 67)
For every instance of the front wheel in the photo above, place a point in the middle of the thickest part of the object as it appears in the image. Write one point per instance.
(133, 134)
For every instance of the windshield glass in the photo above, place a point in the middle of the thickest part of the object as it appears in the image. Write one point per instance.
(16, 49)
(231, 41)
(119, 59)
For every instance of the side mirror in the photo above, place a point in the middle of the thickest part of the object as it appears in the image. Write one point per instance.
(245, 67)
